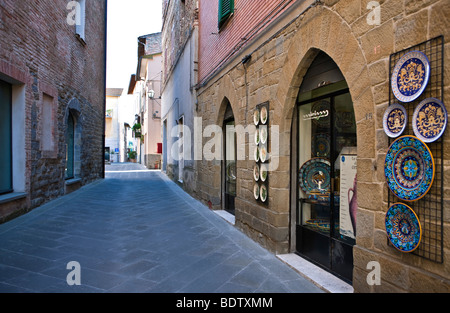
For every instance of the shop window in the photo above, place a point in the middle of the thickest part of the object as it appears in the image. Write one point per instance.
(6, 166)
(226, 10)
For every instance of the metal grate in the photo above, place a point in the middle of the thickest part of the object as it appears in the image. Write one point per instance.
(429, 209)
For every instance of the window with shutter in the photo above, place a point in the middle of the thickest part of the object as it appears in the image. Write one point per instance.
(226, 8)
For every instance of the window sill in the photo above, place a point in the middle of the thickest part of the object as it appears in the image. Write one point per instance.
(9, 197)
(80, 39)
(73, 181)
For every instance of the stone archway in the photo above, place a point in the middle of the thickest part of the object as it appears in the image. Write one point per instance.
(321, 29)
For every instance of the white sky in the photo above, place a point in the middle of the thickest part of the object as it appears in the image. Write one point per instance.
(128, 20)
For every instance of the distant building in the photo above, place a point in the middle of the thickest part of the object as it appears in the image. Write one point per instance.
(52, 100)
(148, 84)
(112, 126)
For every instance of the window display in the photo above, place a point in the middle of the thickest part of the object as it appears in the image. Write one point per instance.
(327, 163)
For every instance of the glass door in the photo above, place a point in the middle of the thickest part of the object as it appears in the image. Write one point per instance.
(5, 137)
(230, 166)
(327, 164)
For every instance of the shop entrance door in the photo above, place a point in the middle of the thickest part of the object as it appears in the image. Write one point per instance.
(326, 208)
(230, 165)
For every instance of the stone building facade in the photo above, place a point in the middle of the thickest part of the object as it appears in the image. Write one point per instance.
(52, 69)
(356, 40)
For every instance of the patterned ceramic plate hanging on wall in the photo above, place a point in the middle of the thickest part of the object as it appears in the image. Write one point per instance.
(403, 227)
(263, 193)
(409, 168)
(263, 134)
(256, 191)
(257, 137)
(410, 76)
(264, 115)
(395, 120)
(430, 120)
(256, 173)
(256, 117)
(264, 172)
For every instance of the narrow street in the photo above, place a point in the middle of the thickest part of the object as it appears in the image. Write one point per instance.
(136, 231)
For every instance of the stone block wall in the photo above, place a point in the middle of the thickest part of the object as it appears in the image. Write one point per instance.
(361, 50)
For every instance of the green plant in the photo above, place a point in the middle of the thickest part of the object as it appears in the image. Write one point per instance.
(132, 155)
(136, 127)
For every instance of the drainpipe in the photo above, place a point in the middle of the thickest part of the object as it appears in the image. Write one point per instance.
(104, 90)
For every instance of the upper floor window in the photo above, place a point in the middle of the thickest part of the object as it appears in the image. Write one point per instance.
(77, 17)
(81, 20)
(226, 9)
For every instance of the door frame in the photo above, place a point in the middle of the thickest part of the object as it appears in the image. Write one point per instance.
(302, 234)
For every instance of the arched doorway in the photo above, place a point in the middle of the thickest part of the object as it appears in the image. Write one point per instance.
(326, 169)
(70, 147)
(229, 162)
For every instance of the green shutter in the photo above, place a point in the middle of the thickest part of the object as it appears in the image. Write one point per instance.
(226, 8)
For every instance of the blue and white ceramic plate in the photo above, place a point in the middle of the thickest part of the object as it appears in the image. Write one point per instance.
(403, 228)
(314, 175)
(395, 120)
(409, 168)
(410, 76)
(430, 120)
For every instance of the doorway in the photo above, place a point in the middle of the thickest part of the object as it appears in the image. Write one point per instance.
(70, 147)
(6, 166)
(326, 170)
(230, 167)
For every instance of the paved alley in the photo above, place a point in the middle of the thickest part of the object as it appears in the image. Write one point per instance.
(136, 231)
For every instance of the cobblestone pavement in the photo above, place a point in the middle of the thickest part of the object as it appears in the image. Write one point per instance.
(136, 231)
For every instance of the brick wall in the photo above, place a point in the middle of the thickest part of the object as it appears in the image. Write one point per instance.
(39, 48)
(249, 18)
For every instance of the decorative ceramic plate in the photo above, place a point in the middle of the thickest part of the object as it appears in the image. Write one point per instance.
(263, 172)
(264, 115)
(403, 227)
(321, 145)
(256, 117)
(256, 191)
(322, 110)
(263, 134)
(257, 137)
(256, 155)
(256, 172)
(395, 120)
(263, 154)
(410, 76)
(430, 120)
(314, 175)
(409, 168)
(263, 193)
